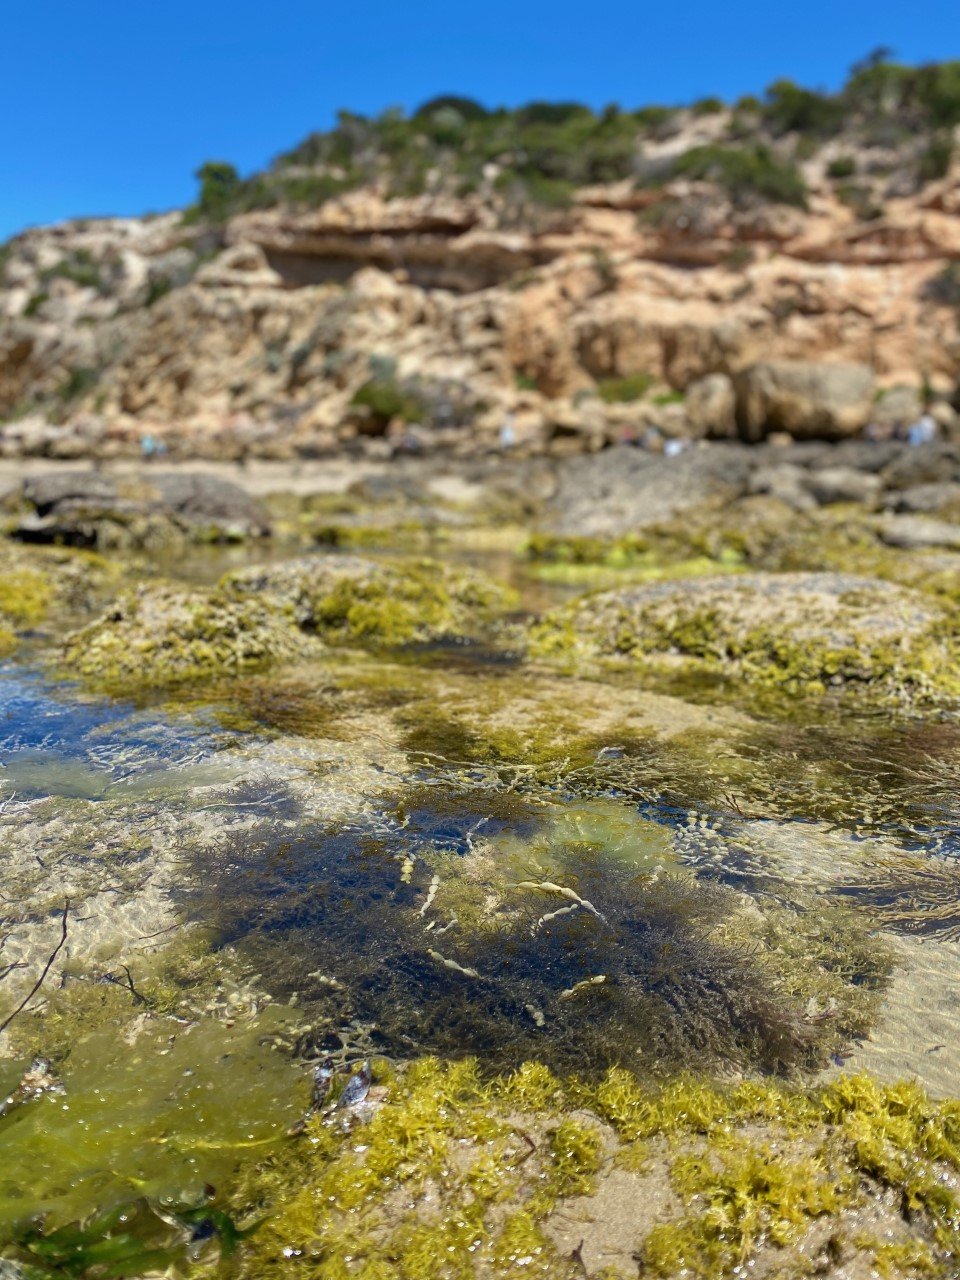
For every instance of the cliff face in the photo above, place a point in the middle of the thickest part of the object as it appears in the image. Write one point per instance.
(284, 330)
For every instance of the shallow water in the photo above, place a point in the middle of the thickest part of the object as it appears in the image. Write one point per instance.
(768, 900)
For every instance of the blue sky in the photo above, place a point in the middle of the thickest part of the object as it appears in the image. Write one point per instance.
(109, 106)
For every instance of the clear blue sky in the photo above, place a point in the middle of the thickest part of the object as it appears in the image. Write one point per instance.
(108, 106)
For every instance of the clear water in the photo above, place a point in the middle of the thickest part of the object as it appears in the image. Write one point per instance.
(598, 916)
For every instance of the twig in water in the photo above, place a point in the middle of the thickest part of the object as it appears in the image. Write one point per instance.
(46, 969)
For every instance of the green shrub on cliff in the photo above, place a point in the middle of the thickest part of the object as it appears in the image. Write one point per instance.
(745, 171)
(386, 399)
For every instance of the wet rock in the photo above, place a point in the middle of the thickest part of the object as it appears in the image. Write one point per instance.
(935, 463)
(843, 484)
(806, 399)
(785, 481)
(916, 533)
(863, 455)
(89, 508)
(209, 503)
(928, 499)
(802, 631)
(624, 489)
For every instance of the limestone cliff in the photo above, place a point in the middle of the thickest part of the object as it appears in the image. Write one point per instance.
(296, 330)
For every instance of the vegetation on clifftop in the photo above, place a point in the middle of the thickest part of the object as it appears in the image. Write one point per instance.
(541, 152)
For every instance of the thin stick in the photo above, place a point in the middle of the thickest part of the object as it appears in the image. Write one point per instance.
(46, 969)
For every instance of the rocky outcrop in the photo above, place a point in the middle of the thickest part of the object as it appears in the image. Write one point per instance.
(805, 400)
(587, 324)
(626, 489)
(711, 407)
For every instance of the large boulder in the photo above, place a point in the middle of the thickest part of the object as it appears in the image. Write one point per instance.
(808, 400)
(804, 632)
(711, 405)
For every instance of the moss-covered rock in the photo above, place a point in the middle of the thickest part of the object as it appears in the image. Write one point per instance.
(34, 582)
(162, 635)
(803, 631)
(462, 1176)
(349, 599)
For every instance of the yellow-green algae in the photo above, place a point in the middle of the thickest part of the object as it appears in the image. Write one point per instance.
(760, 533)
(348, 599)
(458, 1175)
(803, 633)
(36, 580)
(163, 635)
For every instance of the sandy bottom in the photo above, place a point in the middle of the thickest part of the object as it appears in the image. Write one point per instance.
(918, 1033)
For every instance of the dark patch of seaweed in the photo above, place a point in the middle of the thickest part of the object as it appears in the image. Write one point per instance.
(599, 967)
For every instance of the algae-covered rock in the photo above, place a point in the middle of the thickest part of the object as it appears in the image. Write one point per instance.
(803, 631)
(362, 601)
(163, 635)
(33, 583)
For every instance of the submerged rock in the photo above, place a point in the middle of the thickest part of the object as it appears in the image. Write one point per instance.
(804, 631)
(163, 635)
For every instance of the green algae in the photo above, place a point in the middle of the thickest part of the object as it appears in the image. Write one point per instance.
(598, 562)
(415, 600)
(36, 582)
(161, 1112)
(439, 1128)
(140, 1237)
(162, 636)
